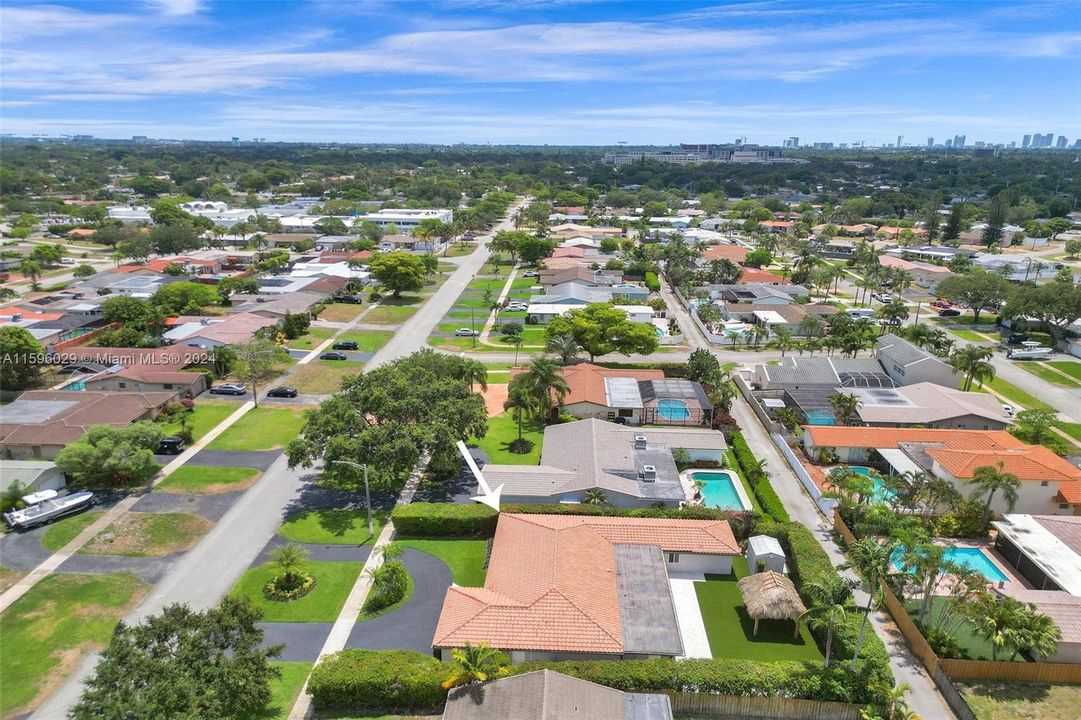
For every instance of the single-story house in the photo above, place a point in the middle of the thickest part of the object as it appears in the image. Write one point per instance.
(926, 275)
(563, 587)
(541, 313)
(632, 466)
(795, 373)
(757, 293)
(1050, 485)
(214, 331)
(40, 423)
(548, 695)
(558, 275)
(929, 405)
(908, 364)
(31, 476)
(137, 369)
(278, 306)
(735, 253)
(1044, 549)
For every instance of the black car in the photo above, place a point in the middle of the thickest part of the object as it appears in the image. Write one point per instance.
(346, 345)
(283, 392)
(949, 312)
(1016, 338)
(333, 356)
(171, 445)
(353, 299)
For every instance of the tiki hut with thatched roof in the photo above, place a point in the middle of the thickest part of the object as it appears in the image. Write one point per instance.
(771, 596)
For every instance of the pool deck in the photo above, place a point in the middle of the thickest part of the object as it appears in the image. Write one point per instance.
(688, 486)
(1014, 581)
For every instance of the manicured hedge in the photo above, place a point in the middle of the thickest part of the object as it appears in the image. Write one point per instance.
(760, 486)
(357, 680)
(476, 520)
(390, 586)
(652, 283)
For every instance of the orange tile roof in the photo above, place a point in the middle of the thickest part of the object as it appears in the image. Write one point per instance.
(873, 437)
(9, 312)
(1031, 462)
(586, 381)
(82, 232)
(757, 275)
(735, 253)
(551, 582)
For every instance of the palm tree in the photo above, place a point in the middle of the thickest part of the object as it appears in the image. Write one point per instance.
(828, 611)
(565, 346)
(990, 480)
(290, 560)
(1001, 621)
(783, 340)
(759, 332)
(873, 561)
(475, 372)
(476, 663)
(895, 704)
(520, 401)
(545, 382)
(975, 363)
(845, 407)
(31, 269)
(595, 496)
(810, 326)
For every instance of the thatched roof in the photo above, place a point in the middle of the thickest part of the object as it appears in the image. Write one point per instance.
(770, 596)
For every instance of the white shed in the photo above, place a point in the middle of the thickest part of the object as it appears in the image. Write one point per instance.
(768, 551)
(31, 475)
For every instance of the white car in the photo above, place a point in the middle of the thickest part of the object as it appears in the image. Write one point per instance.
(465, 332)
(516, 307)
(531, 273)
(1008, 409)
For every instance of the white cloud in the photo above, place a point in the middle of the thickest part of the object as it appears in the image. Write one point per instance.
(176, 7)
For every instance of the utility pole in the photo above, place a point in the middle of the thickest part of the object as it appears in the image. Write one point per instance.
(367, 490)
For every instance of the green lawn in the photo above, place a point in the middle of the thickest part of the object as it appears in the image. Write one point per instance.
(47, 631)
(64, 531)
(342, 312)
(1015, 394)
(390, 314)
(332, 526)
(457, 250)
(1022, 701)
(1071, 368)
(140, 534)
(262, 428)
(284, 691)
(976, 647)
(985, 319)
(502, 430)
(409, 587)
(315, 337)
(204, 417)
(323, 377)
(368, 341)
(972, 336)
(333, 581)
(1048, 375)
(730, 629)
(1071, 429)
(464, 556)
(200, 479)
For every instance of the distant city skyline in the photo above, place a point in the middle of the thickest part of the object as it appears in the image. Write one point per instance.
(589, 72)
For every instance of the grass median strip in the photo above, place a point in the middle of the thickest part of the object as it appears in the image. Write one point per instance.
(1073, 369)
(1049, 375)
(333, 581)
(139, 534)
(464, 556)
(1016, 395)
(323, 377)
(332, 526)
(66, 529)
(48, 630)
(200, 479)
(262, 428)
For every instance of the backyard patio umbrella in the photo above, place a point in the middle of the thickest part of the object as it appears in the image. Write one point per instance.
(771, 596)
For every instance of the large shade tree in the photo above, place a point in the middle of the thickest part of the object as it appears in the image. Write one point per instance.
(602, 328)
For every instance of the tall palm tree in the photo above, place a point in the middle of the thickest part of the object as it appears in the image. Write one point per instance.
(474, 372)
(828, 612)
(990, 480)
(476, 663)
(810, 326)
(783, 340)
(565, 346)
(873, 561)
(545, 381)
(845, 407)
(290, 560)
(974, 363)
(520, 402)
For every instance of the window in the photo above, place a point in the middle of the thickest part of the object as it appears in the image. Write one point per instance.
(168, 386)
(1044, 483)
(1064, 506)
(626, 413)
(123, 385)
(673, 558)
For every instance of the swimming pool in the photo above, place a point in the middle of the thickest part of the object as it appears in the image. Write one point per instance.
(720, 489)
(881, 492)
(969, 558)
(673, 409)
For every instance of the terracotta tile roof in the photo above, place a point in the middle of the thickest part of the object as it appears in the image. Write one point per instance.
(63, 423)
(586, 381)
(552, 584)
(760, 276)
(868, 437)
(776, 223)
(735, 253)
(1069, 493)
(1032, 462)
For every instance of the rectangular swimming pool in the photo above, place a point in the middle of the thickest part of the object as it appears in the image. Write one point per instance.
(720, 489)
(969, 558)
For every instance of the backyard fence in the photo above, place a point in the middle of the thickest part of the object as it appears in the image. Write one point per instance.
(762, 707)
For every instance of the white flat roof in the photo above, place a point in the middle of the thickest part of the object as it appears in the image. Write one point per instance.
(899, 461)
(1042, 547)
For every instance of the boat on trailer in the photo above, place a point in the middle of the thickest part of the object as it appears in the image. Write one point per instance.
(49, 510)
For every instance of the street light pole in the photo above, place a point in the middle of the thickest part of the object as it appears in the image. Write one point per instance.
(367, 490)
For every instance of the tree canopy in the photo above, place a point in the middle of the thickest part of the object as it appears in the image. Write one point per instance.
(108, 455)
(20, 359)
(978, 289)
(398, 271)
(603, 328)
(1056, 304)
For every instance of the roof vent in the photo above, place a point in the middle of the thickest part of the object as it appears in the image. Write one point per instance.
(204, 321)
(639, 442)
(649, 473)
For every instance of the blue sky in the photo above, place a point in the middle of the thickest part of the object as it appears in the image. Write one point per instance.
(542, 71)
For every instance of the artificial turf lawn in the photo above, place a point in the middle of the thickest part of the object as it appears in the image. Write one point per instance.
(464, 556)
(1048, 375)
(204, 417)
(502, 430)
(1014, 394)
(323, 377)
(261, 428)
(729, 627)
(47, 630)
(976, 647)
(63, 531)
(332, 526)
(140, 534)
(333, 582)
(205, 479)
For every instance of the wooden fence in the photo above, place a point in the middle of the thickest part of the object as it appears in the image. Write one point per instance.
(1042, 672)
(762, 707)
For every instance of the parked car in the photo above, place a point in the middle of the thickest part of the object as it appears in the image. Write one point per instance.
(171, 445)
(516, 307)
(949, 312)
(283, 392)
(1008, 409)
(333, 356)
(938, 303)
(346, 345)
(883, 297)
(1016, 338)
(531, 273)
(466, 332)
(228, 389)
(354, 299)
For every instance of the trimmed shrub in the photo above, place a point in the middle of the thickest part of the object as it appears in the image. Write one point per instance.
(445, 520)
(357, 680)
(521, 445)
(277, 589)
(391, 583)
(652, 283)
(760, 486)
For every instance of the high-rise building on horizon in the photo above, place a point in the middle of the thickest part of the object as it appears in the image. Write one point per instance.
(949, 143)
(958, 141)
(1026, 142)
(792, 142)
(930, 142)
(900, 140)
(1061, 142)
